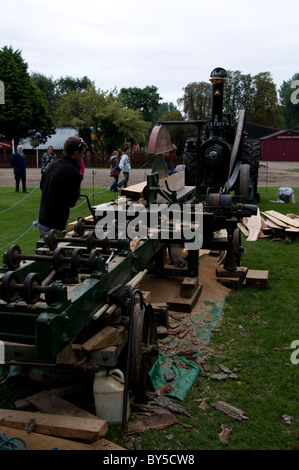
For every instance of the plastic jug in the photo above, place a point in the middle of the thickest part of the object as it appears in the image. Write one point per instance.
(108, 391)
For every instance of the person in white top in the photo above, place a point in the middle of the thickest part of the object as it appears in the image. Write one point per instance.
(125, 166)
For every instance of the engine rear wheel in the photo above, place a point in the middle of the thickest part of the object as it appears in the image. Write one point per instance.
(251, 156)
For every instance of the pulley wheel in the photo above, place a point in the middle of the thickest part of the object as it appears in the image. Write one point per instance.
(11, 258)
(10, 286)
(58, 259)
(52, 239)
(91, 241)
(80, 227)
(30, 291)
(93, 259)
(144, 351)
(77, 260)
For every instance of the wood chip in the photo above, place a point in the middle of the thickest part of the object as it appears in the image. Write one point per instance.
(151, 422)
(225, 433)
(230, 410)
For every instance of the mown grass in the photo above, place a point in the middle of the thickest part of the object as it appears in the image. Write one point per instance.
(254, 336)
(18, 211)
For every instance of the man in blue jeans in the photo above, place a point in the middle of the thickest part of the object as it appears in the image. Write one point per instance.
(18, 162)
(125, 166)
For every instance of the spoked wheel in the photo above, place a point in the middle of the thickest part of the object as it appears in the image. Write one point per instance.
(144, 350)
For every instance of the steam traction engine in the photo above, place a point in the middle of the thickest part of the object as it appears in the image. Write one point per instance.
(54, 303)
(220, 159)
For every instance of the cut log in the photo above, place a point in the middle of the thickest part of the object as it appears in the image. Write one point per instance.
(84, 429)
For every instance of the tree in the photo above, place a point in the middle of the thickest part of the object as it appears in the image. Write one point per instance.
(196, 101)
(257, 95)
(66, 84)
(238, 93)
(25, 113)
(288, 94)
(265, 109)
(104, 114)
(146, 100)
(49, 87)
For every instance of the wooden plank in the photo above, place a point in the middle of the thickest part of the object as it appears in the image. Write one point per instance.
(284, 218)
(35, 441)
(254, 226)
(49, 402)
(272, 224)
(84, 429)
(292, 229)
(108, 336)
(243, 228)
(275, 220)
(175, 183)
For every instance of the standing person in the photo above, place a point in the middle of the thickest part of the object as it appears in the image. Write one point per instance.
(125, 166)
(114, 170)
(48, 157)
(60, 187)
(18, 162)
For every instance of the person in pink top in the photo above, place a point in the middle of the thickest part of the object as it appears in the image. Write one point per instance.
(81, 171)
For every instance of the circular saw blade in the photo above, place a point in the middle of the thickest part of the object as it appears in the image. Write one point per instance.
(159, 166)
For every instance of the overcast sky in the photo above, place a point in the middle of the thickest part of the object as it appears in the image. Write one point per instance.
(165, 43)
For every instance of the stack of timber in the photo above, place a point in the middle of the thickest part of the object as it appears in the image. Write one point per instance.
(57, 424)
(271, 224)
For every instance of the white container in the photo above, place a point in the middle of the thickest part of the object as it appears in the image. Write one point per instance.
(108, 392)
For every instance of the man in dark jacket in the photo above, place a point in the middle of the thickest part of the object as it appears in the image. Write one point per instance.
(60, 187)
(18, 162)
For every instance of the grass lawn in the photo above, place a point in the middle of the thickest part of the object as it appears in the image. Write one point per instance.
(253, 337)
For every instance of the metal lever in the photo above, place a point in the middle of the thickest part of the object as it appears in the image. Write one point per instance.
(110, 257)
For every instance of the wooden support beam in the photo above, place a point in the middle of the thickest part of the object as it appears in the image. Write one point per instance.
(84, 429)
